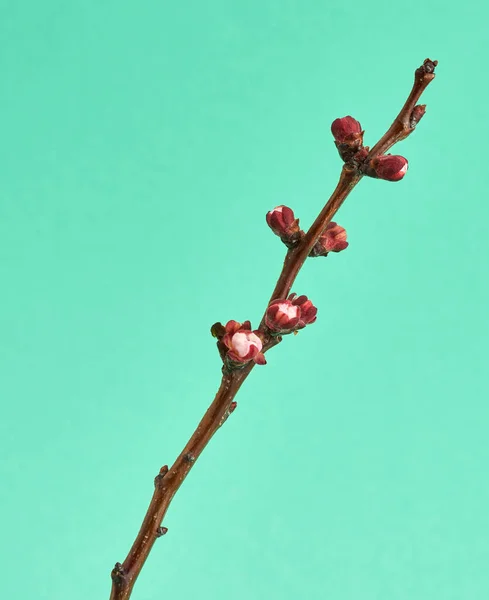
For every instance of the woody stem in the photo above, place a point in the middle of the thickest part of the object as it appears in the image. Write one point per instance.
(168, 481)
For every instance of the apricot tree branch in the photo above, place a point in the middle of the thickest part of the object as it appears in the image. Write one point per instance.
(403, 125)
(239, 347)
(296, 256)
(410, 114)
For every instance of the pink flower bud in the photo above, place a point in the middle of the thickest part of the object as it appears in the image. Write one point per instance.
(282, 222)
(308, 310)
(333, 239)
(243, 344)
(282, 316)
(389, 167)
(346, 130)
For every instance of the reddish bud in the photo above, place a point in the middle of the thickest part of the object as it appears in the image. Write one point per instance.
(283, 223)
(243, 344)
(417, 114)
(282, 316)
(308, 310)
(389, 167)
(346, 129)
(161, 475)
(333, 239)
(348, 138)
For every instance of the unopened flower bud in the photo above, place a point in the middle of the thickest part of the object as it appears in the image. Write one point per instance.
(308, 310)
(243, 344)
(389, 167)
(283, 223)
(346, 129)
(333, 239)
(282, 316)
(348, 137)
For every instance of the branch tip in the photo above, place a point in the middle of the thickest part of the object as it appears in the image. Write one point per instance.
(427, 68)
(429, 65)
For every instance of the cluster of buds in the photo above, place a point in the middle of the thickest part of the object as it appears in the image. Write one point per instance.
(283, 223)
(290, 315)
(333, 239)
(238, 344)
(348, 136)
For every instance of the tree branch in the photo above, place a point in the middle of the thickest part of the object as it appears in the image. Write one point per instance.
(358, 161)
(405, 122)
(167, 483)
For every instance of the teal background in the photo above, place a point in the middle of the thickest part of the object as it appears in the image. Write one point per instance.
(141, 145)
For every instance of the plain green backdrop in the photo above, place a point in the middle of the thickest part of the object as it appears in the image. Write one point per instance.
(141, 145)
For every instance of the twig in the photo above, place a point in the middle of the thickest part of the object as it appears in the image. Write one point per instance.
(359, 161)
